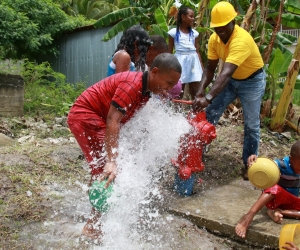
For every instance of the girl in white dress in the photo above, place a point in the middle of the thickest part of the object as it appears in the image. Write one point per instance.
(185, 41)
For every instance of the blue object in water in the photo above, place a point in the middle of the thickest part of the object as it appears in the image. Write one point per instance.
(184, 187)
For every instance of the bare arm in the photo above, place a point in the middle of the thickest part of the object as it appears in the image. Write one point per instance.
(113, 125)
(122, 61)
(207, 77)
(221, 81)
(171, 44)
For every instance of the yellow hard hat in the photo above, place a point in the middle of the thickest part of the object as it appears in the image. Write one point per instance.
(221, 14)
(264, 173)
(290, 232)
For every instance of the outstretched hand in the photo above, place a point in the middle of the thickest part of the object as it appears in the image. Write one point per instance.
(290, 246)
(109, 173)
(199, 104)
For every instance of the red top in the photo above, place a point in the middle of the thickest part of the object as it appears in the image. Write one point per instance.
(126, 91)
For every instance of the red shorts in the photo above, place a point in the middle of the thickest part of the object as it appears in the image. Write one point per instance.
(90, 135)
(283, 199)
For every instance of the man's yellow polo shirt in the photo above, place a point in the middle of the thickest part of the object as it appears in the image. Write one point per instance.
(240, 50)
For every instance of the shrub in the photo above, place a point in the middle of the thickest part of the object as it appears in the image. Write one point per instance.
(46, 91)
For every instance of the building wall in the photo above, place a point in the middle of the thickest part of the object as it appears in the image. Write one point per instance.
(83, 56)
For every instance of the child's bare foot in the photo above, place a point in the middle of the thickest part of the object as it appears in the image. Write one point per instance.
(242, 227)
(92, 228)
(275, 215)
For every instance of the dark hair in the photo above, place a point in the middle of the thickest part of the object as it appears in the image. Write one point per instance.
(183, 10)
(135, 34)
(166, 62)
(159, 43)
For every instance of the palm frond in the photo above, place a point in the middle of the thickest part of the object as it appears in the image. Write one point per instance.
(121, 26)
(118, 15)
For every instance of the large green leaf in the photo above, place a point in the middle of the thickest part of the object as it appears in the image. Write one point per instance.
(279, 63)
(293, 6)
(212, 3)
(288, 19)
(282, 47)
(120, 26)
(120, 15)
(291, 20)
(156, 30)
(285, 39)
(160, 19)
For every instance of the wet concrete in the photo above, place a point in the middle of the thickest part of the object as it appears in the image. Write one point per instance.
(218, 209)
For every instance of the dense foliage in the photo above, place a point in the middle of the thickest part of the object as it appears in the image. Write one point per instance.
(29, 27)
(47, 92)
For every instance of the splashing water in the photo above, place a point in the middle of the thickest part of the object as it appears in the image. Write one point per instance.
(136, 219)
(147, 143)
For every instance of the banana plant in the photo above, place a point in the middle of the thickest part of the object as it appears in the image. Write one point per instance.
(279, 117)
(154, 15)
(124, 19)
(92, 9)
(278, 65)
(291, 17)
(142, 12)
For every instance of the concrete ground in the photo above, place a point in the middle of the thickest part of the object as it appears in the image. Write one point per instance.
(218, 209)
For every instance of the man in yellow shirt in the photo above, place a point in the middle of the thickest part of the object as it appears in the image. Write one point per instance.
(242, 76)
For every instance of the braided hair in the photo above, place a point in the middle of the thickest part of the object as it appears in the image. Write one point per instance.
(135, 34)
(183, 10)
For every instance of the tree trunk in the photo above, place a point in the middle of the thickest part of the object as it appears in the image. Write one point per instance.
(248, 17)
(278, 118)
(203, 37)
(201, 12)
(268, 50)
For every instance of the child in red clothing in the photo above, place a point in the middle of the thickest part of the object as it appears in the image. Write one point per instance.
(98, 113)
(281, 201)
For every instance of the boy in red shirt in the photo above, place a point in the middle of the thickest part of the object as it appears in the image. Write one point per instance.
(98, 113)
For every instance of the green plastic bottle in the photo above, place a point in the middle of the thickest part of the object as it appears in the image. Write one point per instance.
(98, 195)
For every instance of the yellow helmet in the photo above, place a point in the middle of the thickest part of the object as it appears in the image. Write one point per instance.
(221, 14)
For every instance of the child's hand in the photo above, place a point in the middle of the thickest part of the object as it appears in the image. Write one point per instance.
(109, 173)
(251, 159)
(291, 246)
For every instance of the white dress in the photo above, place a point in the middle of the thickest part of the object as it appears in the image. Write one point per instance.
(185, 52)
